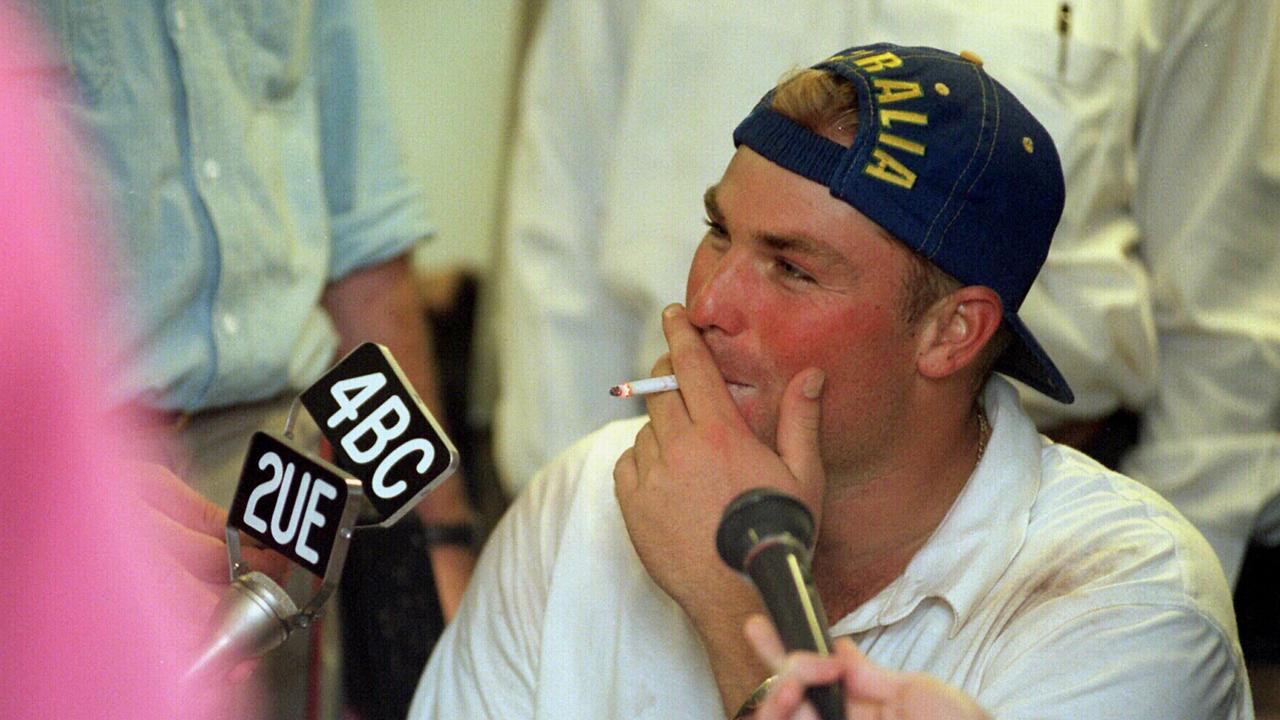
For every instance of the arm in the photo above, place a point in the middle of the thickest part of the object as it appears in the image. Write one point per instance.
(563, 336)
(1159, 663)
(695, 455)
(1212, 240)
(1212, 236)
(382, 304)
(376, 215)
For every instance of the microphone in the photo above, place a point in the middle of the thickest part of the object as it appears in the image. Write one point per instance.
(389, 453)
(767, 535)
(300, 506)
(254, 616)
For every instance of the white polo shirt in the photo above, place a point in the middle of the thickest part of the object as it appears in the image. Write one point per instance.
(1054, 588)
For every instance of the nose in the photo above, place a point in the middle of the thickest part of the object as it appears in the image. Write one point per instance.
(718, 290)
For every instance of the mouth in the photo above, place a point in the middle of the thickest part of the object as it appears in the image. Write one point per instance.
(740, 392)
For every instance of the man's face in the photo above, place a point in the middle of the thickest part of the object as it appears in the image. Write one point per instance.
(788, 277)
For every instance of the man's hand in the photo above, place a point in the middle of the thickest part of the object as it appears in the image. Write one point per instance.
(382, 303)
(187, 534)
(870, 691)
(694, 456)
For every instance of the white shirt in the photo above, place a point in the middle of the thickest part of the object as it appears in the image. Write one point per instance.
(1052, 589)
(1159, 109)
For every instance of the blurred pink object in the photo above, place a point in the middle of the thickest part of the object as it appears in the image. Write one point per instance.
(90, 627)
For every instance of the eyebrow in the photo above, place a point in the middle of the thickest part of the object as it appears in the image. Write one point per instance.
(783, 243)
(709, 202)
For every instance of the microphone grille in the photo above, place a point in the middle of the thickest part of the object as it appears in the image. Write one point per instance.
(755, 515)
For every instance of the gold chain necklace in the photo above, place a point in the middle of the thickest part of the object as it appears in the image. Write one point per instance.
(984, 433)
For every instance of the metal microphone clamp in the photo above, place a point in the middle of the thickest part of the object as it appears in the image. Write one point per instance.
(305, 508)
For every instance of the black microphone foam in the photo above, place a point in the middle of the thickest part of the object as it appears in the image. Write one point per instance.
(768, 535)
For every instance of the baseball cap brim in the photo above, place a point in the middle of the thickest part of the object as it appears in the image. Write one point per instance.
(1025, 360)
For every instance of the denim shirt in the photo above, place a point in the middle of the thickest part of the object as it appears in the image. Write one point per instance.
(247, 154)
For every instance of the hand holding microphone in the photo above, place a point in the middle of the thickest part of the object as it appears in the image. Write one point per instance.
(389, 453)
(768, 535)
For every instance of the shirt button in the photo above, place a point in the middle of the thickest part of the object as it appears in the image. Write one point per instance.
(212, 169)
(230, 324)
(179, 20)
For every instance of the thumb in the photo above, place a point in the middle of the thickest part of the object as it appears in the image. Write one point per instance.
(799, 416)
(864, 680)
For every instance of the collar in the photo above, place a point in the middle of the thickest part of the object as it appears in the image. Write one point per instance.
(981, 533)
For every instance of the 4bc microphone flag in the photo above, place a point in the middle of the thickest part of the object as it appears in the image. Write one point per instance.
(380, 430)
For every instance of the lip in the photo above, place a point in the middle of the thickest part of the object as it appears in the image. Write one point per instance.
(739, 391)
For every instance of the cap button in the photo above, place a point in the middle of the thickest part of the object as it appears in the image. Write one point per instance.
(971, 56)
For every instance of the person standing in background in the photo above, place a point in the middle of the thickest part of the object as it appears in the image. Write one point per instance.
(264, 219)
(1162, 292)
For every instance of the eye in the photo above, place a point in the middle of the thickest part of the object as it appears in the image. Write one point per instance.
(793, 271)
(715, 228)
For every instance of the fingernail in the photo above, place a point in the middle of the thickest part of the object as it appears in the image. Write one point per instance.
(671, 310)
(813, 384)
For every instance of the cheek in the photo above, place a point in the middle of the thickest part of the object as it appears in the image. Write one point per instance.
(861, 342)
(863, 352)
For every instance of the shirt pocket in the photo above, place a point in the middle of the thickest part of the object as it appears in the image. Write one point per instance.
(269, 46)
(1076, 78)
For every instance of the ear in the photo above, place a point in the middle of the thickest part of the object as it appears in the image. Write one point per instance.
(956, 329)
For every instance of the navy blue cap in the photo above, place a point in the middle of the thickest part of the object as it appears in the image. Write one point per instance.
(948, 162)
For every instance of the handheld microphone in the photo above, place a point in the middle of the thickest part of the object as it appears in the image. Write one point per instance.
(253, 617)
(389, 454)
(299, 506)
(768, 535)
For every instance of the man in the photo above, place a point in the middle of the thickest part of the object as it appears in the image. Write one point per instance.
(868, 247)
(1145, 250)
(264, 222)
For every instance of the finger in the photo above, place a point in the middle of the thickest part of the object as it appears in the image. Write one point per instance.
(863, 679)
(799, 420)
(203, 556)
(626, 476)
(167, 493)
(190, 599)
(274, 565)
(764, 639)
(785, 701)
(701, 384)
(810, 668)
(667, 409)
(647, 447)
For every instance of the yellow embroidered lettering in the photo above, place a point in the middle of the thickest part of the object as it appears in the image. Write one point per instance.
(888, 117)
(901, 143)
(888, 169)
(876, 63)
(895, 90)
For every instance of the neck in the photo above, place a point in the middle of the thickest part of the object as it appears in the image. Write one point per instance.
(874, 522)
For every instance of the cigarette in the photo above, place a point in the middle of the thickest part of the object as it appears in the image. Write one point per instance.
(645, 386)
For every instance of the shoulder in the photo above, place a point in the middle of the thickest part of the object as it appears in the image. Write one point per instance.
(1107, 530)
(587, 463)
(1113, 594)
(580, 475)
